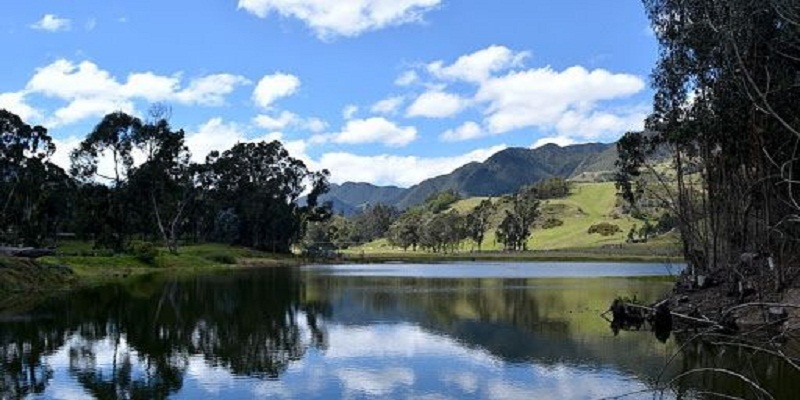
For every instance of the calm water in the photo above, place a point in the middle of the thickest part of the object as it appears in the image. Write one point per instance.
(448, 331)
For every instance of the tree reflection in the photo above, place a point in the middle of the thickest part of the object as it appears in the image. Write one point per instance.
(135, 341)
(23, 344)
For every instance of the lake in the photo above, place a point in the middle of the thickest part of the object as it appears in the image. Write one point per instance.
(440, 331)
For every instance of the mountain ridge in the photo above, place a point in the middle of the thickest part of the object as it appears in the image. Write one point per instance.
(504, 172)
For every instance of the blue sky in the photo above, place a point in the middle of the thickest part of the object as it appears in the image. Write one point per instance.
(382, 91)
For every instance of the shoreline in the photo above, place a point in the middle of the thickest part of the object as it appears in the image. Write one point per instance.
(26, 278)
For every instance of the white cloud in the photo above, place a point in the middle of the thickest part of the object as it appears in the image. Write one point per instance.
(388, 169)
(52, 23)
(349, 18)
(147, 85)
(63, 148)
(215, 134)
(15, 103)
(349, 111)
(315, 125)
(388, 106)
(81, 108)
(480, 65)
(371, 130)
(601, 124)
(436, 104)
(467, 131)
(273, 87)
(541, 97)
(282, 121)
(210, 90)
(91, 91)
(407, 78)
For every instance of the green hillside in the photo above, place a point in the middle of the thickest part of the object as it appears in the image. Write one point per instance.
(588, 204)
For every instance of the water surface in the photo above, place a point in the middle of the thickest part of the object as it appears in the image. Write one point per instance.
(445, 331)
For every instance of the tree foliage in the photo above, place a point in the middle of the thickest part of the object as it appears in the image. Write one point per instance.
(32, 189)
(245, 195)
(726, 107)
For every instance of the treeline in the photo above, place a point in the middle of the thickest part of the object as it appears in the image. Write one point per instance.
(245, 195)
(726, 109)
(435, 226)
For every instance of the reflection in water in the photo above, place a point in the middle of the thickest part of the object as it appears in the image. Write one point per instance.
(288, 333)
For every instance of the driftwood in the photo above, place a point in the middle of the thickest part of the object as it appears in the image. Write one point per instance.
(25, 252)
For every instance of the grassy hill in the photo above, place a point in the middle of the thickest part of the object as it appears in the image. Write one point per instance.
(588, 204)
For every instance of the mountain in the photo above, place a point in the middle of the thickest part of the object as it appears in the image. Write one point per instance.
(350, 197)
(502, 173)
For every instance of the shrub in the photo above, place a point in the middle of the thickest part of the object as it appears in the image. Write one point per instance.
(552, 223)
(605, 229)
(145, 252)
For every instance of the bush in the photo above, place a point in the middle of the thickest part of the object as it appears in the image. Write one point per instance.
(605, 229)
(552, 223)
(145, 252)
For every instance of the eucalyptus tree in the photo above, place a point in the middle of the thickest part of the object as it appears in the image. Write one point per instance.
(515, 229)
(113, 137)
(260, 184)
(726, 106)
(33, 192)
(477, 221)
(165, 180)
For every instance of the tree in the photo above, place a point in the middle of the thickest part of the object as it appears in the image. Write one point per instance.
(115, 134)
(373, 222)
(165, 180)
(515, 229)
(34, 193)
(260, 183)
(477, 222)
(442, 232)
(725, 106)
(407, 230)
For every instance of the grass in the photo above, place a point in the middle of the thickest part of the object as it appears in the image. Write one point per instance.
(588, 204)
(98, 265)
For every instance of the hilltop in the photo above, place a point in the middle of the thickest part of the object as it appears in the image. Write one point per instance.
(504, 172)
(588, 204)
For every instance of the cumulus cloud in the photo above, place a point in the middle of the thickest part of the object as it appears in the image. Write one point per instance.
(52, 23)
(349, 111)
(541, 97)
(281, 121)
(388, 106)
(371, 130)
(436, 104)
(15, 103)
(91, 91)
(407, 78)
(480, 65)
(273, 87)
(215, 134)
(348, 18)
(572, 102)
(404, 171)
(467, 131)
(600, 124)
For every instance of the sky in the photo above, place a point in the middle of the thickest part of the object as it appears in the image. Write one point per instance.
(389, 92)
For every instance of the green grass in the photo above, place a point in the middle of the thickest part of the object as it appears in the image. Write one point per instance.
(99, 265)
(588, 204)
